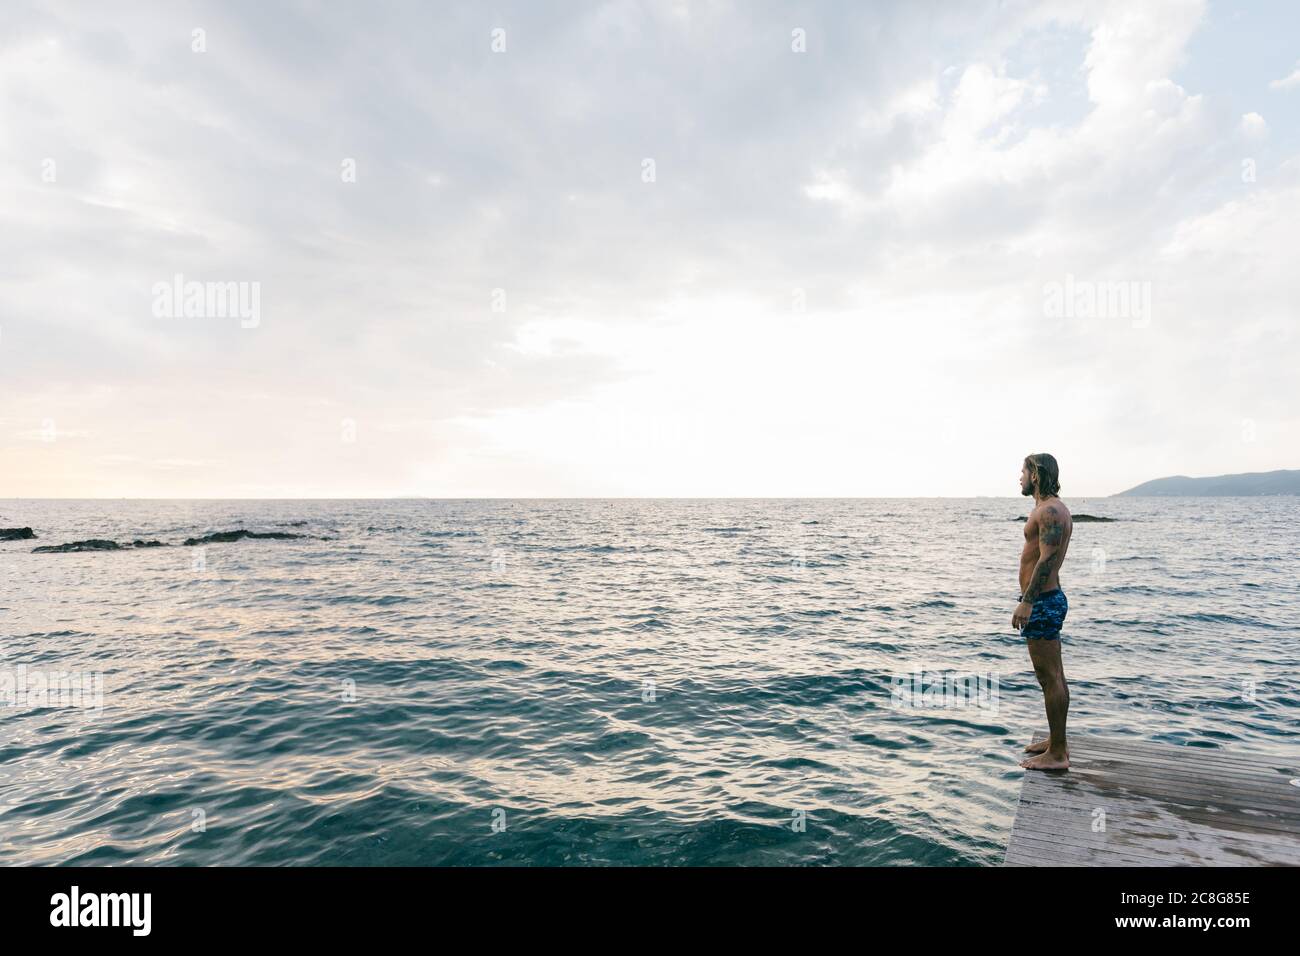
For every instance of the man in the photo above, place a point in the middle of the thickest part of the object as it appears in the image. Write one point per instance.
(1042, 607)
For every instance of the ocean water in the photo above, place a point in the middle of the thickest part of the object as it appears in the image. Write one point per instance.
(629, 682)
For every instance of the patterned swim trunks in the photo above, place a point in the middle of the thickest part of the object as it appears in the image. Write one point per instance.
(1047, 617)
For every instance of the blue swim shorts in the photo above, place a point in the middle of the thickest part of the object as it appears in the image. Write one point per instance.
(1047, 617)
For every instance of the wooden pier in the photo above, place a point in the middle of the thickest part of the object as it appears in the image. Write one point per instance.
(1126, 802)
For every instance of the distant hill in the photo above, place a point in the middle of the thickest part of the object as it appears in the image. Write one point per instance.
(1251, 483)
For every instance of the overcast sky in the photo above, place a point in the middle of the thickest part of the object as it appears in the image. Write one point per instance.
(653, 248)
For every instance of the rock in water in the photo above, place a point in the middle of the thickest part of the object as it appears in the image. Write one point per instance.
(16, 534)
(223, 537)
(93, 544)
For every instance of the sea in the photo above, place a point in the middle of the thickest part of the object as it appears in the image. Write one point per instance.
(603, 682)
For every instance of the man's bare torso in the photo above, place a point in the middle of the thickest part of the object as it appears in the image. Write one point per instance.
(1049, 520)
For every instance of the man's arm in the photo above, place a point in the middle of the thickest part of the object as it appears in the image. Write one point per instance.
(1051, 531)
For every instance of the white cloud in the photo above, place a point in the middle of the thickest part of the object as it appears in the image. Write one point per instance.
(1287, 82)
(1253, 125)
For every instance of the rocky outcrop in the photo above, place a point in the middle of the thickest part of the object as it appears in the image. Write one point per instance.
(16, 534)
(225, 537)
(100, 544)
(92, 544)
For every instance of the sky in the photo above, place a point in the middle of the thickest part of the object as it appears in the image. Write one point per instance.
(644, 249)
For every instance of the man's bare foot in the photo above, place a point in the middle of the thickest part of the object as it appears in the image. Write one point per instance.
(1037, 746)
(1047, 761)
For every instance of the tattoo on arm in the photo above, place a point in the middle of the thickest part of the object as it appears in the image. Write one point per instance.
(1042, 572)
(1050, 529)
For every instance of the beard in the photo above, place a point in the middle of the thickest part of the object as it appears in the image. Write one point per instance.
(1027, 490)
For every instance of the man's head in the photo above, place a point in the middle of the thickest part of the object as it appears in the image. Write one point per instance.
(1040, 475)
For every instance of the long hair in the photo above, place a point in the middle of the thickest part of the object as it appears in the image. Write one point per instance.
(1046, 471)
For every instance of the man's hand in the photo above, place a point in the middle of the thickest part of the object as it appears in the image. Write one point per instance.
(1021, 615)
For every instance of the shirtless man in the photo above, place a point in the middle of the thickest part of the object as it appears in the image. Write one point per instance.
(1042, 608)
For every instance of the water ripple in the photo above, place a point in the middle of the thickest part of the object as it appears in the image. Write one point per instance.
(637, 682)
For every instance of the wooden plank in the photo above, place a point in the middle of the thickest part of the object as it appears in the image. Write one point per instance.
(1140, 763)
(1207, 853)
(1173, 759)
(1262, 790)
(1158, 841)
(1031, 852)
(1262, 828)
(1037, 853)
(1244, 774)
(1118, 782)
(1162, 806)
(1118, 779)
(1156, 824)
(1076, 816)
(1218, 758)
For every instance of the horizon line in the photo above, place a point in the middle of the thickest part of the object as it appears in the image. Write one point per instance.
(552, 497)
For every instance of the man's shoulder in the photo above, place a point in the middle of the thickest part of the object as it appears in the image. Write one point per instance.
(1052, 509)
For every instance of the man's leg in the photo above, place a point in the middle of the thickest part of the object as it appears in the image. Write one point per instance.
(1046, 657)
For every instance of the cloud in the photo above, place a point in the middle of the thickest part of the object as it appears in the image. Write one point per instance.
(839, 261)
(1287, 82)
(1253, 125)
